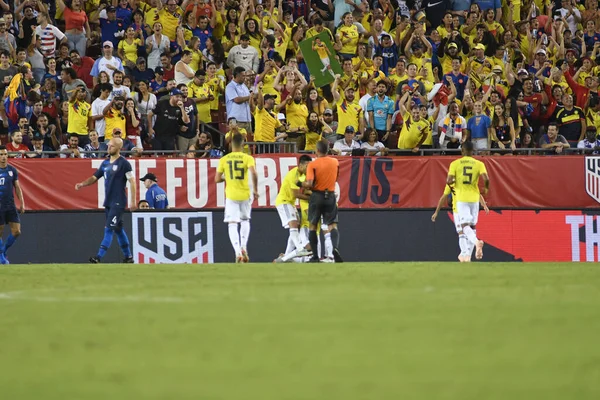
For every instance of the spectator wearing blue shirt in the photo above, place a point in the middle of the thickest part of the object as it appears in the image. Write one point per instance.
(113, 29)
(389, 52)
(478, 128)
(589, 145)
(460, 80)
(380, 109)
(158, 85)
(155, 195)
(494, 4)
(124, 12)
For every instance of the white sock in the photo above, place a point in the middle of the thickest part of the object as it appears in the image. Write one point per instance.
(304, 236)
(244, 233)
(290, 246)
(318, 245)
(463, 243)
(328, 245)
(295, 236)
(290, 255)
(234, 238)
(470, 233)
(471, 246)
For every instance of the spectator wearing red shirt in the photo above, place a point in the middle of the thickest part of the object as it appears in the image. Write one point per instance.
(82, 66)
(580, 92)
(168, 70)
(17, 146)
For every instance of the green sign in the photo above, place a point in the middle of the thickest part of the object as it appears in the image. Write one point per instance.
(320, 58)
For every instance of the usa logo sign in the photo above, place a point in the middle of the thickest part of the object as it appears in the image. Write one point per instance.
(592, 177)
(173, 237)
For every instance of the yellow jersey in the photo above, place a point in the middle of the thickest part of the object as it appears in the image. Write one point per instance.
(348, 32)
(198, 92)
(288, 185)
(170, 22)
(217, 87)
(312, 138)
(412, 132)
(466, 171)
(244, 133)
(450, 190)
(349, 114)
(130, 50)
(79, 112)
(321, 50)
(304, 209)
(114, 119)
(234, 166)
(296, 114)
(265, 123)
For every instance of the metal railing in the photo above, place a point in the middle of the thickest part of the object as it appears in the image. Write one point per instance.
(481, 152)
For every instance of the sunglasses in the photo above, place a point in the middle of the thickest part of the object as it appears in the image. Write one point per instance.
(107, 47)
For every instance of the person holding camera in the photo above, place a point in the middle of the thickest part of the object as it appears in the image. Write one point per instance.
(114, 117)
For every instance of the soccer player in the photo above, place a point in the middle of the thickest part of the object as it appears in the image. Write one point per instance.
(233, 170)
(155, 196)
(464, 174)
(286, 207)
(324, 53)
(116, 171)
(448, 196)
(321, 176)
(9, 179)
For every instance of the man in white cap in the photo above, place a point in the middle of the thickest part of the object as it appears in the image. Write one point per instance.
(106, 63)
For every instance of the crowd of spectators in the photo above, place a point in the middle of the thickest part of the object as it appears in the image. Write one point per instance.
(182, 76)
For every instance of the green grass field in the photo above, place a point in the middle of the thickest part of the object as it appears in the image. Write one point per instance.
(260, 331)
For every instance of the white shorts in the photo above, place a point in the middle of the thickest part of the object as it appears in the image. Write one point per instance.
(236, 211)
(325, 62)
(457, 223)
(468, 213)
(287, 213)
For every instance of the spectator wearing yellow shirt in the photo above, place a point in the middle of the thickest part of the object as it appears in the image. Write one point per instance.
(266, 123)
(114, 117)
(234, 129)
(267, 77)
(418, 49)
(348, 111)
(79, 114)
(169, 17)
(361, 62)
(316, 127)
(202, 95)
(296, 113)
(445, 30)
(349, 36)
(414, 132)
(449, 50)
(128, 49)
(216, 84)
(398, 74)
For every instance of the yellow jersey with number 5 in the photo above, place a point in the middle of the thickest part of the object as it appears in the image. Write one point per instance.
(466, 171)
(235, 168)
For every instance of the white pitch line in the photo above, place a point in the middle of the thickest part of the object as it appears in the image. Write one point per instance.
(96, 299)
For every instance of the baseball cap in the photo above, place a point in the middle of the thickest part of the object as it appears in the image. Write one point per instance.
(175, 92)
(269, 97)
(38, 136)
(2, 21)
(480, 47)
(150, 176)
(522, 71)
(140, 59)
(108, 43)
(349, 129)
(159, 70)
(497, 68)
(328, 111)
(542, 51)
(453, 46)
(110, 9)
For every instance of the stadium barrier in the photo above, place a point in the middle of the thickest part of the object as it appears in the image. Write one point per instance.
(374, 235)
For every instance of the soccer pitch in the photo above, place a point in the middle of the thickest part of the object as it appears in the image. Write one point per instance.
(289, 331)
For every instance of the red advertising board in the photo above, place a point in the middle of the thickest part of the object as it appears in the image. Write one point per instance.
(365, 182)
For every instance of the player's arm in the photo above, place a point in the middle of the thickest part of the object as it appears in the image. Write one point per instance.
(451, 178)
(439, 206)
(484, 204)
(300, 195)
(132, 191)
(254, 175)
(486, 182)
(219, 177)
(89, 181)
(19, 193)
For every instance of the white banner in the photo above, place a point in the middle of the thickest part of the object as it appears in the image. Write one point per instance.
(172, 237)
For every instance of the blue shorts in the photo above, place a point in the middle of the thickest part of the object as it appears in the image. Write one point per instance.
(114, 217)
(9, 215)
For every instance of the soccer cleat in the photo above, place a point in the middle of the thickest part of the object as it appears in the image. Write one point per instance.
(462, 258)
(479, 250)
(314, 260)
(336, 256)
(3, 259)
(239, 259)
(128, 260)
(303, 253)
(245, 256)
(278, 260)
(94, 260)
(328, 260)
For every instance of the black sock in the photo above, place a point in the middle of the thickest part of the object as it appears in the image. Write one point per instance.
(335, 238)
(314, 242)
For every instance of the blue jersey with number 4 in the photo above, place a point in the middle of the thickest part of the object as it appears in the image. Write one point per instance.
(8, 177)
(115, 176)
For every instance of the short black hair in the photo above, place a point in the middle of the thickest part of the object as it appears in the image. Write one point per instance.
(468, 146)
(238, 70)
(71, 72)
(142, 201)
(323, 146)
(304, 159)
(2, 147)
(237, 140)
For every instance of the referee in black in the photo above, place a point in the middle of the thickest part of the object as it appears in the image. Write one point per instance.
(321, 176)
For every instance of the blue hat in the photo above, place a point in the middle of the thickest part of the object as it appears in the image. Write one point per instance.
(175, 92)
(350, 129)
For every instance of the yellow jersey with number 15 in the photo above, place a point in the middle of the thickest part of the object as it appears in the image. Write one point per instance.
(466, 171)
(235, 168)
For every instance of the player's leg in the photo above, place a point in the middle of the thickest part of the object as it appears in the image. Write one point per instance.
(327, 243)
(3, 259)
(472, 209)
(314, 216)
(479, 243)
(108, 235)
(232, 218)
(14, 222)
(122, 238)
(462, 239)
(330, 218)
(245, 209)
